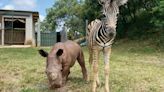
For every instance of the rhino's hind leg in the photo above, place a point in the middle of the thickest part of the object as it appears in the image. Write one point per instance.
(82, 64)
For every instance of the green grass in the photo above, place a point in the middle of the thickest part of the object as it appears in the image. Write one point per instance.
(134, 67)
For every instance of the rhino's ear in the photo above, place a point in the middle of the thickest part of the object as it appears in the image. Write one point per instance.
(59, 52)
(121, 2)
(43, 53)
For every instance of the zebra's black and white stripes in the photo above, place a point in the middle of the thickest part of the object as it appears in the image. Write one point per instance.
(99, 33)
(100, 36)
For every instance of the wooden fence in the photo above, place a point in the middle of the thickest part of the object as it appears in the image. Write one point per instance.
(14, 37)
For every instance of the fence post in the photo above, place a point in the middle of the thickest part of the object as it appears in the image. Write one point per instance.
(86, 26)
(63, 34)
(86, 29)
(38, 33)
(3, 31)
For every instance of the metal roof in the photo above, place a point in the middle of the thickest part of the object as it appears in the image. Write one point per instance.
(35, 14)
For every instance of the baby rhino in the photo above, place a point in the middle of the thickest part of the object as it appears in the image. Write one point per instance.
(59, 61)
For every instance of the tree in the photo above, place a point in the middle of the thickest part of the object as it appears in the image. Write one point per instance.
(68, 11)
(158, 15)
(157, 20)
(92, 10)
(137, 19)
(134, 19)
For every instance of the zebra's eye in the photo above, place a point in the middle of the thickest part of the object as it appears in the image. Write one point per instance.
(102, 2)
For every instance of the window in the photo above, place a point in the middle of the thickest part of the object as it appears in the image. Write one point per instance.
(14, 23)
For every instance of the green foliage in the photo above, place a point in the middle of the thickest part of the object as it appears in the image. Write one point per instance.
(158, 18)
(136, 15)
(92, 10)
(69, 11)
(138, 19)
(158, 21)
(74, 13)
(45, 26)
(28, 90)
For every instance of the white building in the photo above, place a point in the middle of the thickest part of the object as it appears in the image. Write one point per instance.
(18, 27)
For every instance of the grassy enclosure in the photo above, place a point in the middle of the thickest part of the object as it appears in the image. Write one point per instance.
(134, 67)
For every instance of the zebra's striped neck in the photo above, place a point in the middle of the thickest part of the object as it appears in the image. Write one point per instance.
(110, 12)
(105, 35)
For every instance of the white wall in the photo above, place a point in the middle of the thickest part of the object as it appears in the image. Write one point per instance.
(29, 29)
(30, 34)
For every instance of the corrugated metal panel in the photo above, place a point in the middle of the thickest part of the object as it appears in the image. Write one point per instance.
(0, 19)
(0, 37)
(48, 38)
(0, 29)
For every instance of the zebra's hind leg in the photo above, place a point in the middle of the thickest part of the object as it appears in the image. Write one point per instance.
(106, 53)
(90, 63)
(98, 80)
(95, 55)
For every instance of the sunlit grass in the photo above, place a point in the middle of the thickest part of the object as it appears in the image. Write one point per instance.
(134, 67)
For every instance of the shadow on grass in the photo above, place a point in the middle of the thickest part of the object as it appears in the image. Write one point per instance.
(73, 84)
(78, 80)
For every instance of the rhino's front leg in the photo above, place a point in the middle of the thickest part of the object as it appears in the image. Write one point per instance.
(65, 73)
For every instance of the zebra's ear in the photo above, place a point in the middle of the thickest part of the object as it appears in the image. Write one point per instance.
(121, 2)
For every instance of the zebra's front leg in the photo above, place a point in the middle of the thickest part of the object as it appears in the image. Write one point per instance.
(95, 58)
(91, 70)
(106, 53)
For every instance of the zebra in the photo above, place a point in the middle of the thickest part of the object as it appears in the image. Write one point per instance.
(100, 37)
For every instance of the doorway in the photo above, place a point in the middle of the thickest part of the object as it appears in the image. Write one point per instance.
(14, 31)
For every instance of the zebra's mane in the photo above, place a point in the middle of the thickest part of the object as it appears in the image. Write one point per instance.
(110, 10)
(113, 5)
(119, 2)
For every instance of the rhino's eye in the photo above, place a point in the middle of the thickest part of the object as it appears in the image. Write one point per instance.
(46, 72)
